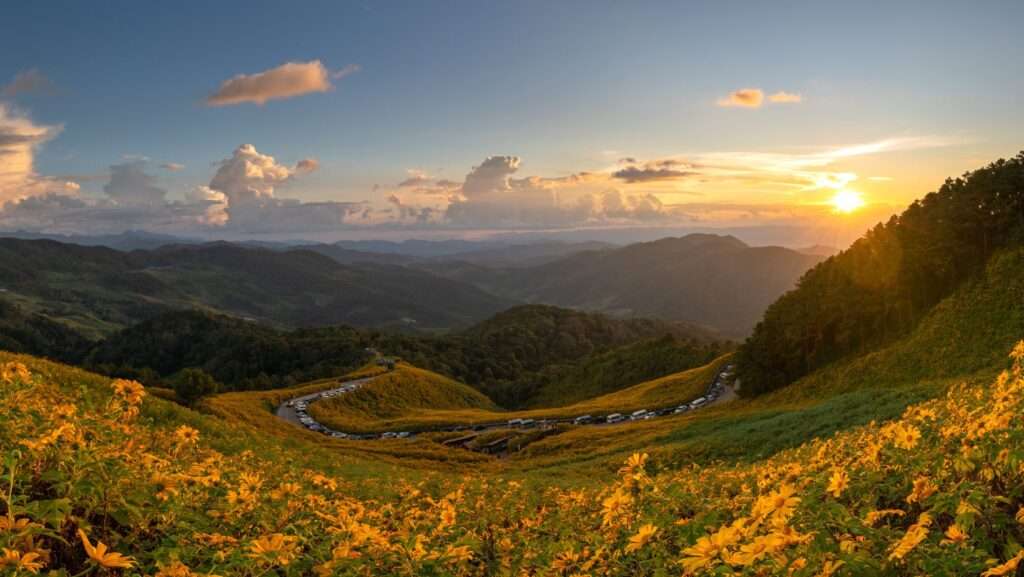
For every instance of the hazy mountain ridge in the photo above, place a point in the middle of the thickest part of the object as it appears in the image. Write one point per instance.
(98, 288)
(710, 280)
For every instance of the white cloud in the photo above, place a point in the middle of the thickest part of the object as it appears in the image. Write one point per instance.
(172, 166)
(248, 180)
(286, 81)
(20, 137)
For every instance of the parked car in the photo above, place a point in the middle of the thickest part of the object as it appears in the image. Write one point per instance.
(582, 420)
(615, 418)
(637, 415)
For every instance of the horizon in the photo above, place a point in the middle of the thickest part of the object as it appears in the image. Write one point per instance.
(351, 121)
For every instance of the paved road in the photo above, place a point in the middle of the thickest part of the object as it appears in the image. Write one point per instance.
(287, 411)
(719, 391)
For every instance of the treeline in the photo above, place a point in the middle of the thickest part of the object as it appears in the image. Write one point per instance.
(512, 357)
(879, 288)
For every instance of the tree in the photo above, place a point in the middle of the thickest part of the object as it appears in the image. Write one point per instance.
(192, 384)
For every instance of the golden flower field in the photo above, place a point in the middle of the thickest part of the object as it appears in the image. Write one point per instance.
(100, 478)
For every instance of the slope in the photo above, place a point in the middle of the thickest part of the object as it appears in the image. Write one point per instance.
(709, 280)
(96, 290)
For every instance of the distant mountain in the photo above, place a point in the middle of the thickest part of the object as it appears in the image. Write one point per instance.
(344, 255)
(704, 279)
(415, 247)
(522, 255)
(128, 240)
(818, 250)
(97, 289)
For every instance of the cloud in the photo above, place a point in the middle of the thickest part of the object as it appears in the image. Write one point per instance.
(131, 185)
(417, 178)
(20, 137)
(286, 81)
(783, 97)
(667, 169)
(172, 166)
(248, 181)
(491, 197)
(25, 82)
(743, 98)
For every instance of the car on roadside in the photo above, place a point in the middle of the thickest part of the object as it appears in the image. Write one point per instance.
(615, 418)
(583, 420)
(637, 415)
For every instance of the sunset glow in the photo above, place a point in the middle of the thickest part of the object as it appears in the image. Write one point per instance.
(847, 201)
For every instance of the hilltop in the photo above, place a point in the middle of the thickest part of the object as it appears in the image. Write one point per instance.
(704, 279)
(96, 290)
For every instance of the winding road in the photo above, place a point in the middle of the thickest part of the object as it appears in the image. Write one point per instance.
(294, 410)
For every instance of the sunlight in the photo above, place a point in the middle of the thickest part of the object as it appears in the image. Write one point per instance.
(847, 201)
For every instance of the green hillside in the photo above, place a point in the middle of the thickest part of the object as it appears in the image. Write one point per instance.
(400, 393)
(97, 290)
(705, 279)
(621, 367)
(880, 288)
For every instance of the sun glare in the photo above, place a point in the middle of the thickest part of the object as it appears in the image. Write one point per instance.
(847, 201)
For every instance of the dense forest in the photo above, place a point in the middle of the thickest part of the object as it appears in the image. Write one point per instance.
(885, 283)
(512, 358)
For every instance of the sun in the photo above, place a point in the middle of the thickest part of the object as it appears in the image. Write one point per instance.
(847, 201)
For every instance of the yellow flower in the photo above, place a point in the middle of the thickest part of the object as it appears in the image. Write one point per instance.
(955, 536)
(1006, 568)
(912, 538)
(277, 548)
(829, 567)
(28, 561)
(186, 435)
(642, 537)
(1020, 516)
(923, 488)
(615, 506)
(838, 483)
(167, 486)
(99, 555)
(174, 569)
(906, 436)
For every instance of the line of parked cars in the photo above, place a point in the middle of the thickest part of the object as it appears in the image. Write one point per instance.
(301, 407)
(715, 390)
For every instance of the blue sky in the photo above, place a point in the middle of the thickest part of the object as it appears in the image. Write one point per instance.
(567, 87)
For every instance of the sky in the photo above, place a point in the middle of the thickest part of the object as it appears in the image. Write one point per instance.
(329, 120)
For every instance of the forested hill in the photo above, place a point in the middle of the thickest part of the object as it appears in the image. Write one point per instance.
(885, 283)
(96, 290)
(706, 279)
(510, 357)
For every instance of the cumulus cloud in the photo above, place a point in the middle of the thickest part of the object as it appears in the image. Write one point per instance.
(743, 98)
(492, 197)
(172, 166)
(668, 169)
(286, 81)
(783, 97)
(248, 181)
(131, 185)
(416, 178)
(20, 137)
(26, 82)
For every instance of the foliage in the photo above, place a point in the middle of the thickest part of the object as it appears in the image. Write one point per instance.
(508, 357)
(96, 476)
(886, 282)
(192, 384)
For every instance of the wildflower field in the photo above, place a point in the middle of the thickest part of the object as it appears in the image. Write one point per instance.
(99, 478)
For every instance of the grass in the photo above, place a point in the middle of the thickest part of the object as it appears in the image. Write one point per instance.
(362, 410)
